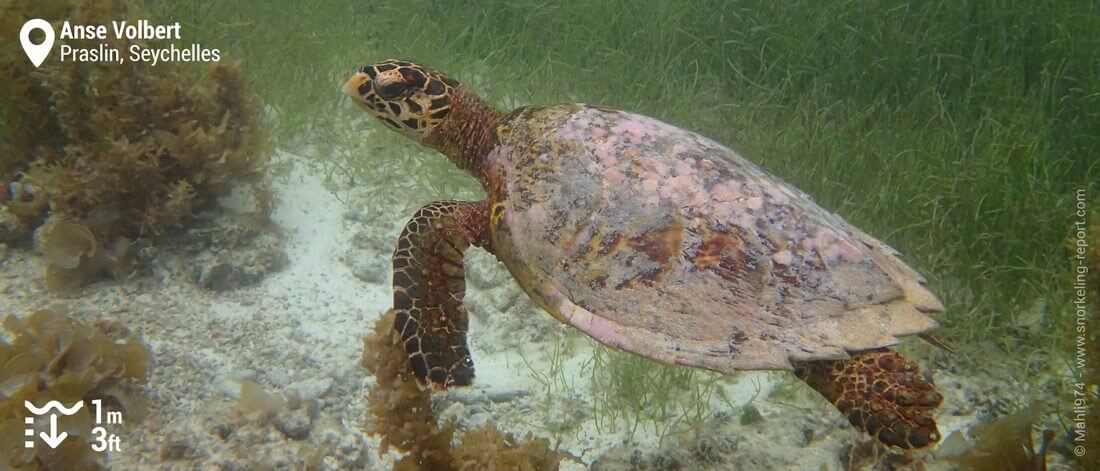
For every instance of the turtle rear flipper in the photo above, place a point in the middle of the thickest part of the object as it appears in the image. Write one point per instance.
(881, 392)
(428, 288)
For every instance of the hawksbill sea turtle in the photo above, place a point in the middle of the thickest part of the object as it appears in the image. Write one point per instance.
(654, 240)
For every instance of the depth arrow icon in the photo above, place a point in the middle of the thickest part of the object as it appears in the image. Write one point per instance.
(53, 439)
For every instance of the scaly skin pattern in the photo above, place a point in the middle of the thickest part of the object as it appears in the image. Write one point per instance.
(659, 241)
(880, 392)
(428, 288)
(409, 98)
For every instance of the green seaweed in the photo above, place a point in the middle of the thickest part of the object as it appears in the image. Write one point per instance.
(53, 357)
(124, 150)
(637, 393)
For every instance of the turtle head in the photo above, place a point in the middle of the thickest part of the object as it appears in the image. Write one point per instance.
(408, 97)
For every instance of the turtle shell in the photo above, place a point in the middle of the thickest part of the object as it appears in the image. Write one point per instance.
(662, 242)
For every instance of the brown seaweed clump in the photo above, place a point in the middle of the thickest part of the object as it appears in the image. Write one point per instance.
(53, 357)
(125, 150)
(401, 413)
(1003, 444)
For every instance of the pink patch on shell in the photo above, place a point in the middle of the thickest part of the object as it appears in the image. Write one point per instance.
(698, 198)
(632, 131)
(725, 212)
(683, 168)
(783, 257)
(606, 153)
(754, 203)
(725, 192)
(848, 251)
(537, 214)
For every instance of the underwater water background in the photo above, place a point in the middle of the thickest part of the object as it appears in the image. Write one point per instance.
(955, 131)
(958, 132)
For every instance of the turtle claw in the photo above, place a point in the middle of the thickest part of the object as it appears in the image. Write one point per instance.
(461, 376)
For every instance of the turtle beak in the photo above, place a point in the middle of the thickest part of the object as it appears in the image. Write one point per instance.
(351, 88)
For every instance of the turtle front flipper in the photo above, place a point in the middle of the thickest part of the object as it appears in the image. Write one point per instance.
(881, 392)
(428, 287)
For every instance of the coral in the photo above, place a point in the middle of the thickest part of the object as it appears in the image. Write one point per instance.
(122, 149)
(401, 414)
(54, 357)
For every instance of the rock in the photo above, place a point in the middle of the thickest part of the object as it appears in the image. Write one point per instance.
(750, 415)
(311, 389)
(229, 386)
(294, 424)
(372, 240)
(176, 449)
(355, 214)
(507, 395)
(469, 396)
(566, 415)
(10, 227)
(234, 269)
(227, 252)
(368, 266)
(807, 435)
(368, 255)
(484, 271)
(505, 296)
(480, 306)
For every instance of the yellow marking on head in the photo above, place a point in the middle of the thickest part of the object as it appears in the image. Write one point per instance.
(407, 97)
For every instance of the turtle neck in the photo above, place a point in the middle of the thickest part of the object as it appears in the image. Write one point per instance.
(468, 133)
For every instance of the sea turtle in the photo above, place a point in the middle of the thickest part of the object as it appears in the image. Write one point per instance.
(653, 240)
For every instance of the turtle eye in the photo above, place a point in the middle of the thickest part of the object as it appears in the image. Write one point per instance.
(392, 90)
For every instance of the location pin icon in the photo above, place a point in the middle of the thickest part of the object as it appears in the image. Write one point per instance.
(36, 52)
